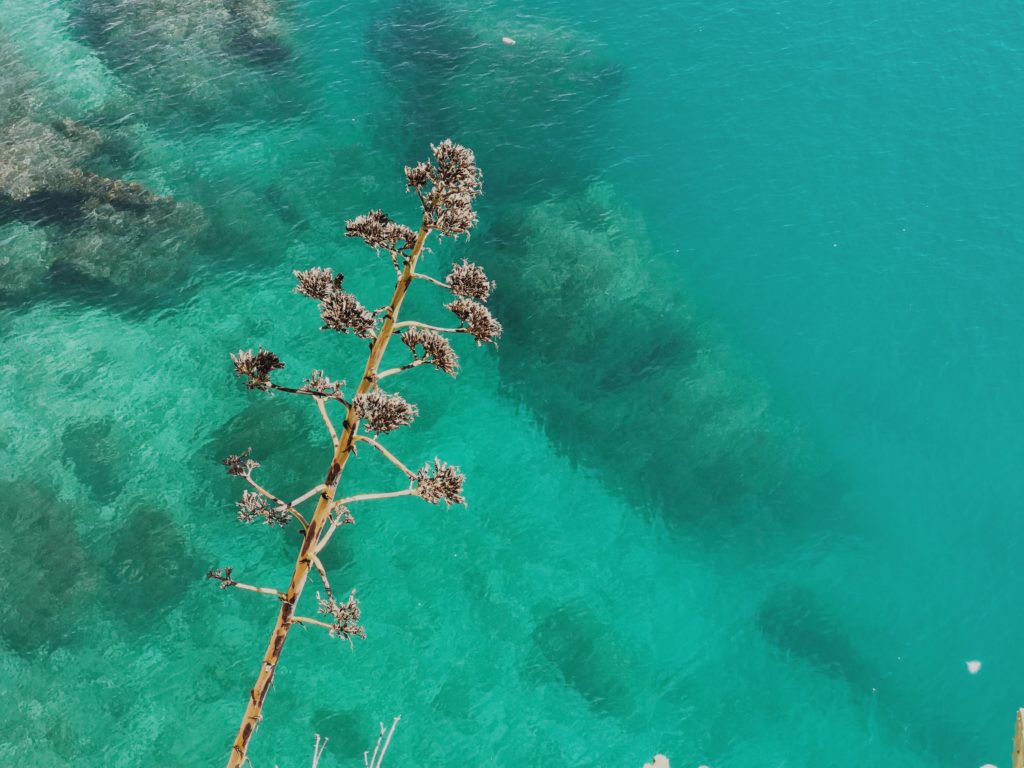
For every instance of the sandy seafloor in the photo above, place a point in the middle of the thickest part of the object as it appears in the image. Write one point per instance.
(744, 473)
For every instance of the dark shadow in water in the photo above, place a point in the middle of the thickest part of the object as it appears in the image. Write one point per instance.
(799, 623)
(46, 574)
(589, 655)
(625, 378)
(96, 450)
(148, 568)
(529, 111)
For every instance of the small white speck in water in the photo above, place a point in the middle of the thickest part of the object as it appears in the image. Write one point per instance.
(508, 41)
(974, 667)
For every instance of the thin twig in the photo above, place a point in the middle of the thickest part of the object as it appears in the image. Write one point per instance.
(328, 395)
(311, 492)
(307, 620)
(336, 522)
(371, 497)
(376, 749)
(321, 405)
(387, 743)
(418, 324)
(387, 454)
(406, 367)
(430, 279)
(263, 491)
(318, 750)
(226, 582)
(323, 575)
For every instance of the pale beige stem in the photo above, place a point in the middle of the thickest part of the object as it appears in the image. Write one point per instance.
(387, 743)
(429, 279)
(418, 324)
(307, 552)
(308, 494)
(261, 590)
(1018, 741)
(323, 575)
(406, 367)
(321, 405)
(338, 522)
(264, 492)
(387, 454)
(372, 497)
(298, 516)
(307, 620)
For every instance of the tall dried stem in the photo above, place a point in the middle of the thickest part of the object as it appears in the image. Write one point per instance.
(446, 188)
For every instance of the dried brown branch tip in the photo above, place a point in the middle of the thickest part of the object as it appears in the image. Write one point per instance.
(447, 186)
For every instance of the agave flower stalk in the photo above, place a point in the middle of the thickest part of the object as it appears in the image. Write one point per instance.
(446, 187)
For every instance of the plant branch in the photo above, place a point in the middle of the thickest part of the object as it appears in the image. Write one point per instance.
(327, 395)
(372, 497)
(307, 620)
(430, 279)
(312, 542)
(298, 516)
(406, 367)
(264, 492)
(418, 324)
(321, 405)
(308, 494)
(378, 753)
(226, 582)
(323, 575)
(387, 454)
(338, 522)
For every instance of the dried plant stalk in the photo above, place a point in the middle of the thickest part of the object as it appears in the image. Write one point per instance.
(446, 191)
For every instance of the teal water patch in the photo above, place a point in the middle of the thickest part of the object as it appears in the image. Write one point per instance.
(742, 474)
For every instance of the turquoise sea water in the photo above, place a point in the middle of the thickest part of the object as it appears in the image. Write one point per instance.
(743, 474)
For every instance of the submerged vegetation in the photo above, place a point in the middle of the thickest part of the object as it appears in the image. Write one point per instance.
(446, 188)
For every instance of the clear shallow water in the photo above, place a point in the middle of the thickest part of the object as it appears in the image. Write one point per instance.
(743, 475)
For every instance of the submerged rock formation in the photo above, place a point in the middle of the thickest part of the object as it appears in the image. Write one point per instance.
(619, 370)
(202, 56)
(56, 215)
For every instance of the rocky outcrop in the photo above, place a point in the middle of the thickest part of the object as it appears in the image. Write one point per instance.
(59, 217)
(201, 56)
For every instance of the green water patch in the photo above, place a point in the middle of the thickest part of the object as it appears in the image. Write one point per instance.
(623, 375)
(97, 451)
(213, 61)
(66, 228)
(148, 567)
(48, 574)
(529, 110)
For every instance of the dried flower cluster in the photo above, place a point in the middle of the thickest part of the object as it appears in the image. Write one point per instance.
(380, 232)
(340, 310)
(447, 189)
(476, 319)
(253, 506)
(318, 384)
(468, 281)
(437, 350)
(240, 465)
(345, 616)
(383, 412)
(256, 367)
(318, 283)
(440, 483)
(223, 575)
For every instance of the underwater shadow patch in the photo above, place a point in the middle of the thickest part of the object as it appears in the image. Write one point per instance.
(47, 575)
